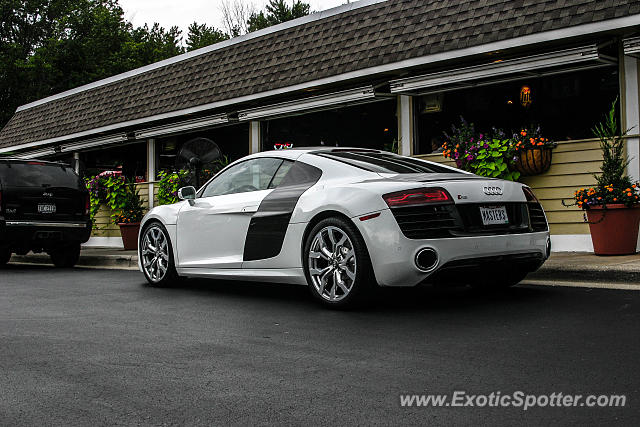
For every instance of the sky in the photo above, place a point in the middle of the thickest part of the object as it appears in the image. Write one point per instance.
(183, 12)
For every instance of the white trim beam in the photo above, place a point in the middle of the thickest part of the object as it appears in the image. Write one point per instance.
(567, 57)
(151, 169)
(314, 103)
(631, 46)
(255, 137)
(406, 130)
(184, 126)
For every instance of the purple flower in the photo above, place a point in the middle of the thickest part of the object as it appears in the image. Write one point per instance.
(485, 146)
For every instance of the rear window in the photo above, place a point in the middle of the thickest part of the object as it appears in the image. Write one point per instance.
(19, 174)
(385, 163)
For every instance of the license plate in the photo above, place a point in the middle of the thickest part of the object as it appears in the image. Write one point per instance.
(492, 215)
(46, 208)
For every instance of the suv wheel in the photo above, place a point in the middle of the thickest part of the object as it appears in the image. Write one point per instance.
(65, 256)
(5, 256)
(336, 263)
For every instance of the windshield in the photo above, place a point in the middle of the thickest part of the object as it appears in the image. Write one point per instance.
(385, 162)
(34, 174)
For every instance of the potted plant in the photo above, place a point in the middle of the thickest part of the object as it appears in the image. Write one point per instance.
(485, 155)
(613, 205)
(533, 152)
(129, 217)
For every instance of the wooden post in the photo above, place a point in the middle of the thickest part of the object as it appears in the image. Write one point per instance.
(255, 137)
(406, 130)
(151, 169)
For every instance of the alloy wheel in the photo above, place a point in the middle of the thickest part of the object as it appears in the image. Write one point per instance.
(155, 253)
(332, 263)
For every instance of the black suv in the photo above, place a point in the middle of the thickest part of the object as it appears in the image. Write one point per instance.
(44, 207)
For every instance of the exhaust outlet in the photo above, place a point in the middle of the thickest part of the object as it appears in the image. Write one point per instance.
(426, 259)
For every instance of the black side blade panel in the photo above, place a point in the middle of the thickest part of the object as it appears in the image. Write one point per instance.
(269, 224)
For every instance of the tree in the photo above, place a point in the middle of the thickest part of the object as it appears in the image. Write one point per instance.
(276, 12)
(49, 46)
(201, 35)
(235, 16)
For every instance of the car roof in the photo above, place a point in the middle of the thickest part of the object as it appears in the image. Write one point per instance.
(294, 153)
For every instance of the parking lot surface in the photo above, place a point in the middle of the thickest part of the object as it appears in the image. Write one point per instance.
(99, 347)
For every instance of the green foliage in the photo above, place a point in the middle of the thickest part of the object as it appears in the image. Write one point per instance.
(118, 195)
(49, 46)
(613, 183)
(170, 183)
(612, 144)
(481, 154)
(492, 160)
(132, 209)
(201, 35)
(276, 12)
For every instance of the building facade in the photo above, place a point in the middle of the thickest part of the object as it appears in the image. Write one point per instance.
(394, 74)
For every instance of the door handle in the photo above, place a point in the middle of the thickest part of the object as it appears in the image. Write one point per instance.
(250, 209)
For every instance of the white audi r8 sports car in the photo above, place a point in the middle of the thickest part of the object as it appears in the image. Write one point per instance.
(342, 220)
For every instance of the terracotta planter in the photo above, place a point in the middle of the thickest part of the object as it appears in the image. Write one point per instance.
(534, 161)
(129, 234)
(614, 230)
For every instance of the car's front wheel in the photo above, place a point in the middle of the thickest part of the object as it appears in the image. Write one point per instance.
(336, 263)
(65, 256)
(156, 255)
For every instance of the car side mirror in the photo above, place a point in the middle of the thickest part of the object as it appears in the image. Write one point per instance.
(187, 193)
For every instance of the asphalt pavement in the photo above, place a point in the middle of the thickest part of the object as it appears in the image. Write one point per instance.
(99, 347)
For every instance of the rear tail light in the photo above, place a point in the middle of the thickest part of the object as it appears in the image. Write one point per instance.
(529, 195)
(417, 196)
(87, 204)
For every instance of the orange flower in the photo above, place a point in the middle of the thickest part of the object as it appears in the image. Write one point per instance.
(629, 194)
(615, 199)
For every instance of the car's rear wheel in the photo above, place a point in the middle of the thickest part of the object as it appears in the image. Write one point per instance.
(65, 256)
(336, 263)
(5, 256)
(156, 255)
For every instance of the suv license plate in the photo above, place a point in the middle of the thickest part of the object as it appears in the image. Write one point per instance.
(46, 208)
(492, 215)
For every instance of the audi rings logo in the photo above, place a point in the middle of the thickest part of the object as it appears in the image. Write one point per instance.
(492, 191)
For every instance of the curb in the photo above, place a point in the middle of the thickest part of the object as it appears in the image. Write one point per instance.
(587, 274)
(125, 262)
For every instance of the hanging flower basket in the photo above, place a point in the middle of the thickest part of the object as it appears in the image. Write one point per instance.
(534, 161)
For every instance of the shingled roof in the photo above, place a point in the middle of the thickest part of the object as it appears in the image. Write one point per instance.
(373, 33)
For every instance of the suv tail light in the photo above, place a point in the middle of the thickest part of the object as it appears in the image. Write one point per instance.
(528, 194)
(417, 196)
(87, 204)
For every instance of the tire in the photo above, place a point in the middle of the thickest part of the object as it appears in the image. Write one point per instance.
(65, 256)
(156, 255)
(337, 264)
(5, 256)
